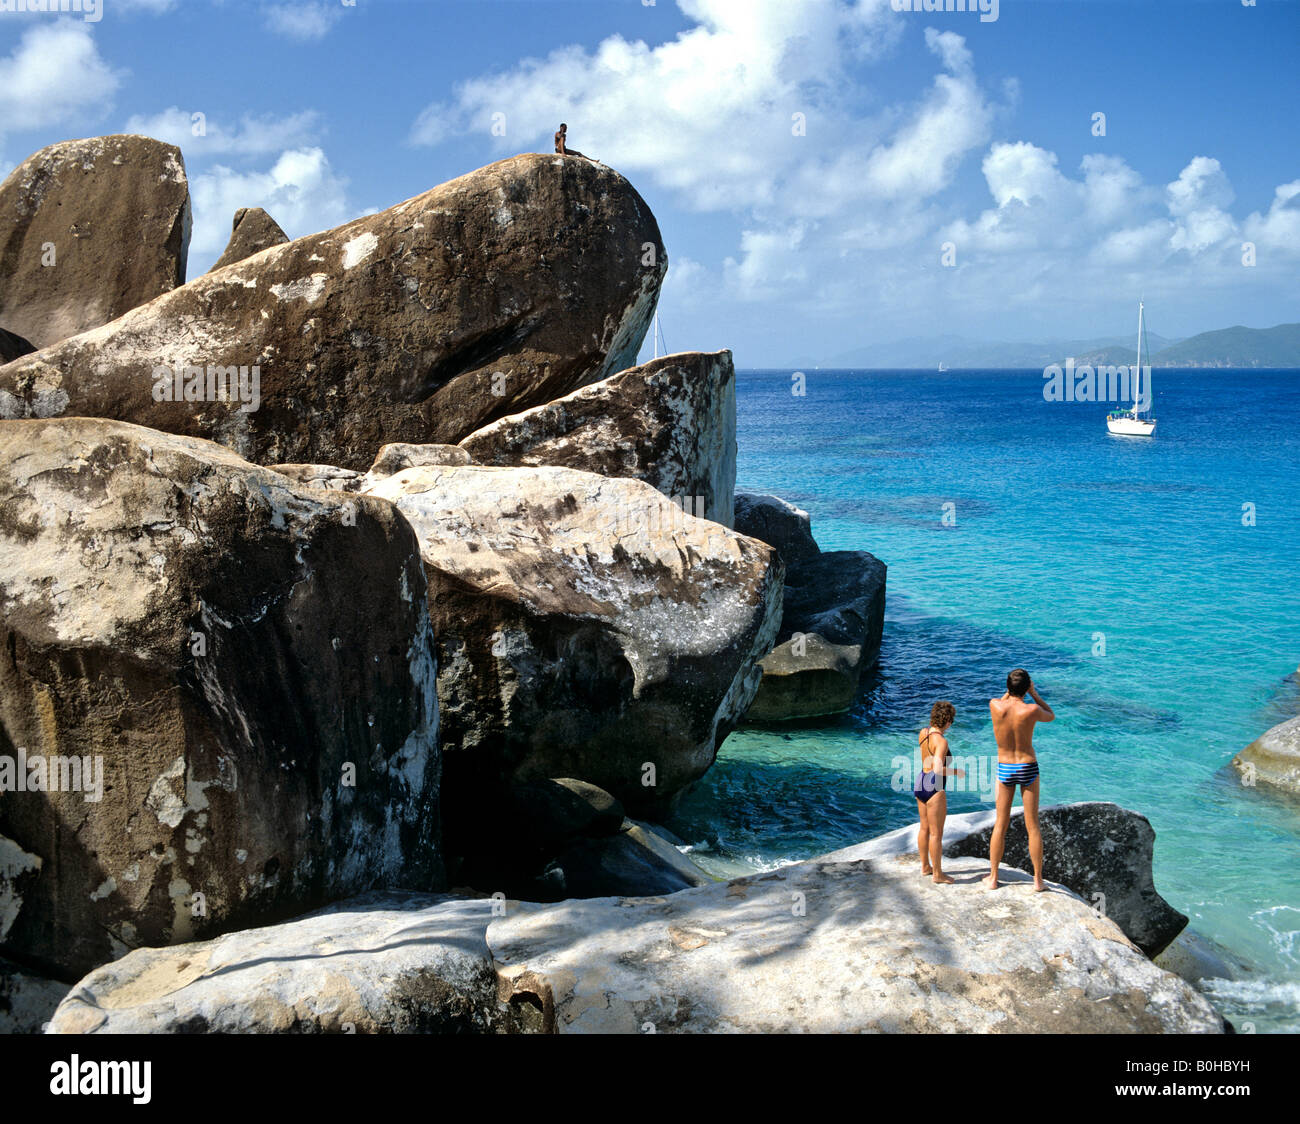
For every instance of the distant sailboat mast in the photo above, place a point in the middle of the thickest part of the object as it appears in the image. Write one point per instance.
(1137, 371)
(657, 335)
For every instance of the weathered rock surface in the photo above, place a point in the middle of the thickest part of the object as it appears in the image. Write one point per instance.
(252, 664)
(27, 1001)
(827, 946)
(323, 476)
(116, 211)
(573, 642)
(12, 346)
(1273, 759)
(379, 964)
(1093, 848)
(488, 295)
(670, 422)
(778, 523)
(831, 631)
(394, 457)
(252, 231)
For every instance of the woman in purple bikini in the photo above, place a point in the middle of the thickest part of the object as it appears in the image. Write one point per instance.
(929, 790)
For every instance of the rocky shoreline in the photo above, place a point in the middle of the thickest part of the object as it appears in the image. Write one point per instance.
(390, 606)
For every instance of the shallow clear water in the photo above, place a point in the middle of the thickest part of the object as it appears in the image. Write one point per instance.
(1061, 533)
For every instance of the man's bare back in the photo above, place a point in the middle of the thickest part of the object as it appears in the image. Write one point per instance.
(1014, 720)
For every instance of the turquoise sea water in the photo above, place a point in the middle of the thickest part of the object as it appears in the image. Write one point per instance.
(1065, 538)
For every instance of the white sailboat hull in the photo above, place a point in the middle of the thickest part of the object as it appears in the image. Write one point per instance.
(1130, 427)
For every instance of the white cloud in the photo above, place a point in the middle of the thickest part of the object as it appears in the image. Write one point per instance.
(155, 7)
(300, 191)
(846, 217)
(304, 22)
(252, 136)
(53, 76)
(1279, 231)
(709, 114)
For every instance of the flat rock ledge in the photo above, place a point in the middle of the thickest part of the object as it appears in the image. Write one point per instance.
(820, 946)
(1099, 850)
(829, 946)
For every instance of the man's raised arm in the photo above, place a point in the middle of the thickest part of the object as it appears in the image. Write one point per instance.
(1048, 715)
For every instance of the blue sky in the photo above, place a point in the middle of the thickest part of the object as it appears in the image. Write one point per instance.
(786, 245)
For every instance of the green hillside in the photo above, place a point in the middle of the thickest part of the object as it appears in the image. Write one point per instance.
(1225, 347)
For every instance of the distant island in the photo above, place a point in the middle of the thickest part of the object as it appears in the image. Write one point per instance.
(1226, 347)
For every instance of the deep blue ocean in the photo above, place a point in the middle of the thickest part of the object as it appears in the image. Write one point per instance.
(1121, 572)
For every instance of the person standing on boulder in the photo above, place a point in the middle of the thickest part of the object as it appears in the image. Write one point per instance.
(1014, 720)
(561, 145)
(929, 790)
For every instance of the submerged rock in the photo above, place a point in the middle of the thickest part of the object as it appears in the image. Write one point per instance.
(670, 422)
(806, 677)
(587, 628)
(1273, 759)
(1099, 850)
(252, 231)
(488, 295)
(378, 964)
(828, 946)
(234, 677)
(90, 229)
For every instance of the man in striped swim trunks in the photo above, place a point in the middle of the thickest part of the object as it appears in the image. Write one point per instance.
(1014, 719)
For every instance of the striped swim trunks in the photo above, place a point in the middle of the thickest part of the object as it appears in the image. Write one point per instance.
(1014, 775)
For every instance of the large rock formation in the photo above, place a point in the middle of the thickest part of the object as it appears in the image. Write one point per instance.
(828, 946)
(587, 628)
(834, 615)
(670, 422)
(493, 293)
(379, 964)
(1273, 759)
(252, 231)
(770, 519)
(228, 680)
(1099, 850)
(89, 229)
(831, 631)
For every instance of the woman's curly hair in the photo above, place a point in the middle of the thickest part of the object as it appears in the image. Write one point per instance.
(942, 714)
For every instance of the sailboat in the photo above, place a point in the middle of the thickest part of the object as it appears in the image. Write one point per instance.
(943, 367)
(1131, 423)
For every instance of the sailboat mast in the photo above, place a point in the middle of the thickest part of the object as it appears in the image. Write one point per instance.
(1137, 371)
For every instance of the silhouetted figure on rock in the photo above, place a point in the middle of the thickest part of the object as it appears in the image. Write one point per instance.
(562, 147)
